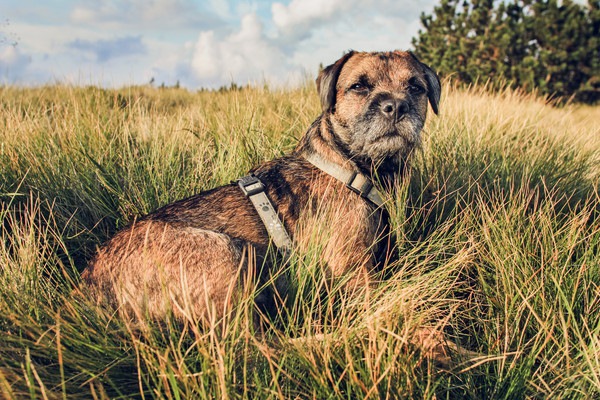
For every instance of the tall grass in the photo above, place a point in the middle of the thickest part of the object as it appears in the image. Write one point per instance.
(498, 234)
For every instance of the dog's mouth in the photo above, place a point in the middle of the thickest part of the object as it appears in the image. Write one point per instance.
(389, 127)
(391, 134)
(378, 138)
(402, 129)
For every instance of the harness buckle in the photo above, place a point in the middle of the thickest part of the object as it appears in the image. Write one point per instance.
(251, 185)
(354, 184)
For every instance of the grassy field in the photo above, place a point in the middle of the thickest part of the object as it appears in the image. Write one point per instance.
(498, 234)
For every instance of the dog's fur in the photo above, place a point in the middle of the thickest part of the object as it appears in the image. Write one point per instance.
(192, 251)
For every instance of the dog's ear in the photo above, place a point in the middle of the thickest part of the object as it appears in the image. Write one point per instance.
(327, 80)
(434, 88)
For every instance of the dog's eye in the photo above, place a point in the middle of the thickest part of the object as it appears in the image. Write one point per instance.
(416, 89)
(359, 87)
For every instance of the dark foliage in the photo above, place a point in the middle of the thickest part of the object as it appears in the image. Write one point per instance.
(550, 46)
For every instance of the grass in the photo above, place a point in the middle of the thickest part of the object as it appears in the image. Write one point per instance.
(498, 231)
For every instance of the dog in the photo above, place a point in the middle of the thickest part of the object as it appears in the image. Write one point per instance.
(191, 252)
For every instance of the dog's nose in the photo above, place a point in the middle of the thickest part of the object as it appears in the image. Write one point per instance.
(394, 109)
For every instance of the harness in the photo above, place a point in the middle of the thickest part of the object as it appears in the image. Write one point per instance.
(254, 189)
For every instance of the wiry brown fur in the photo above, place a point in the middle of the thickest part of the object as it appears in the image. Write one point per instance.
(194, 253)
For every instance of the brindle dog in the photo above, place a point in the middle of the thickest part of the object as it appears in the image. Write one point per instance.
(193, 252)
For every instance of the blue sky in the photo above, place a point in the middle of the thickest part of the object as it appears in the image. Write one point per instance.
(198, 43)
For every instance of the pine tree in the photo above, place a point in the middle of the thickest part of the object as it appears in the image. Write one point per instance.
(590, 90)
(543, 45)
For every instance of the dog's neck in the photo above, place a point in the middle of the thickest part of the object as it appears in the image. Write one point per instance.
(386, 171)
(320, 138)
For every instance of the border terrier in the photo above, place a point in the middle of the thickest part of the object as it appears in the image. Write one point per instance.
(190, 253)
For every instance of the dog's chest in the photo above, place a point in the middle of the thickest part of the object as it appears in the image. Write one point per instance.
(344, 228)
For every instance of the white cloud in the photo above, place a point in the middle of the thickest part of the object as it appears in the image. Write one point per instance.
(319, 31)
(243, 56)
(209, 43)
(105, 50)
(8, 56)
(12, 63)
(207, 56)
(88, 13)
(301, 15)
(307, 33)
(302, 19)
(144, 14)
(220, 8)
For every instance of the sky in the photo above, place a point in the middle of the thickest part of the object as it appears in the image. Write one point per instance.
(200, 44)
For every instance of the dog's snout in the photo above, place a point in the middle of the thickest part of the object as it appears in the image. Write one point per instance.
(393, 108)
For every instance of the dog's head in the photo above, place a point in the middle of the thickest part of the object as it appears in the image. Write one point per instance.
(377, 102)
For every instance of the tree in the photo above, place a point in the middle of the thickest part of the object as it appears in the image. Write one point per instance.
(545, 45)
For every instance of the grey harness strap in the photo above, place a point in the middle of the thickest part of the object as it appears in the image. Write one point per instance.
(254, 189)
(354, 181)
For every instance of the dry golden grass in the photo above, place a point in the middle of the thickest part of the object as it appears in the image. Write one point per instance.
(498, 234)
